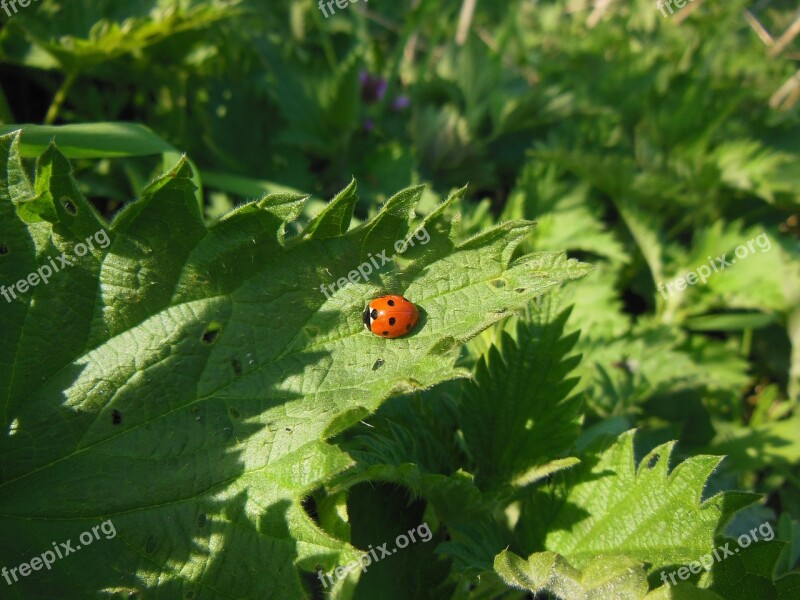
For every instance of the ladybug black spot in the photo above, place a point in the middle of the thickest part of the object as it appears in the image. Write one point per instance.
(392, 320)
(385, 333)
(374, 313)
(391, 303)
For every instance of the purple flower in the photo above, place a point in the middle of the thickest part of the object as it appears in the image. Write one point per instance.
(401, 103)
(372, 87)
(369, 125)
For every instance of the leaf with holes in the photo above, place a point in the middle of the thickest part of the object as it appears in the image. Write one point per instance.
(168, 387)
(609, 505)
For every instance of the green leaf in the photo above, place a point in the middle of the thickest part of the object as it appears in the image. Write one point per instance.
(681, 591)
(729, 322)
(517, 413)
(90, 140)
(565, 215)
(602, 577)
(98, 140)
(196, 373)
(750, 573)
(653, 360)
(608, 505)
(78, 37)
(748, 165)
(774, 444)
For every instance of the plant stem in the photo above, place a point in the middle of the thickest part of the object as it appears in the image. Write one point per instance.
(58, 99)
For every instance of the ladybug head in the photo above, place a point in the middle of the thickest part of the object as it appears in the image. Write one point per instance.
(366, 317)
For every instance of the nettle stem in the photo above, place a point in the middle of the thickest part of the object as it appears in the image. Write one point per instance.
(61, 95)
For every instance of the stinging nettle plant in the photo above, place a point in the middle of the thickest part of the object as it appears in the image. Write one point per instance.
(192, 384)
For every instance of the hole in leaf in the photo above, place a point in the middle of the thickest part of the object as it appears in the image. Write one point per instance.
(116, 417)
(151, 544)
(378, 364)
(3, 249)
(497, 283)
(212, 332)
(309, 504)
(69, 206)
(652, 462)
(201, 520)
(237, 366)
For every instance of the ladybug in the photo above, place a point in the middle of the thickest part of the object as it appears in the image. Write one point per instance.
(390, 316)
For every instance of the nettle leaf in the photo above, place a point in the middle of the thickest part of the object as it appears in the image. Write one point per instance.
(750, 166)
(72, 34)
(411, 442)
(653, 361)
(750, 573)
(609, 505)
(321, 109)
(565, 213)
(602, 577)
(518, 415)
(181, 380)
(764, 268)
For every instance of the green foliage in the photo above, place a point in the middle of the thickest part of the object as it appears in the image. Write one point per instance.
(519, 398)
(603, 577)
(609, 505)
(565, 423)
(215, 335)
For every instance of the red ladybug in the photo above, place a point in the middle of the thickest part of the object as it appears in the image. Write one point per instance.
(390, 316)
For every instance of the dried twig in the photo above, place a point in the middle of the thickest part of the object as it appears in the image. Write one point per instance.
(465, 21)
(760, 30)
(786, 38)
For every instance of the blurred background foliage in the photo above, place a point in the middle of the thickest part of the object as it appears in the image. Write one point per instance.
(640, 143)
